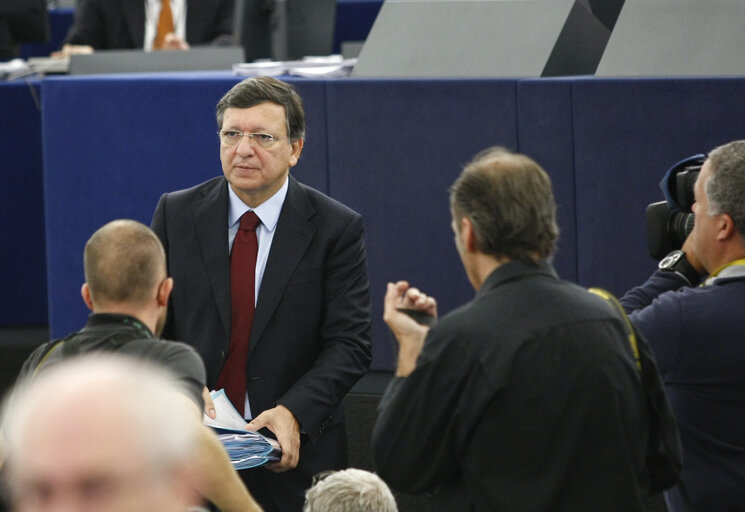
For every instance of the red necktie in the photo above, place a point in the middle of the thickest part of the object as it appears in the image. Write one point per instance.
(165, 24)
(242, 304)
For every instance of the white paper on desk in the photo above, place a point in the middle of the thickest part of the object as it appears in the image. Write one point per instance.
(333, 71)
(267, 68)
(15, 68)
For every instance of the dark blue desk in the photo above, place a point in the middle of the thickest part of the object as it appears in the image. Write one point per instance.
(389, 149)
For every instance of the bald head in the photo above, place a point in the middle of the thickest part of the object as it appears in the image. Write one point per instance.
(124, 263)
(100, 432)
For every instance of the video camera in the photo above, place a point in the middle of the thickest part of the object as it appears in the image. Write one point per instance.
(669, 222)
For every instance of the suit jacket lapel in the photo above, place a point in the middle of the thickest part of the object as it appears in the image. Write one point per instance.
(293, 236)
(211, 227)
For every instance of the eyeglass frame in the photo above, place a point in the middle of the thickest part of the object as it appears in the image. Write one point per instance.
(251, 136)
(318, 477)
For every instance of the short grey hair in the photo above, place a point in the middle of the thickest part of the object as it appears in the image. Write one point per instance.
(725, 188)
(350, 490)
(148, 396)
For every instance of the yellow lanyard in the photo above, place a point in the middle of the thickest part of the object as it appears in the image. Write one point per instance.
(741, 261)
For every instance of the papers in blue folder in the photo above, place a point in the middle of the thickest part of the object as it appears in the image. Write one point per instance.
(246, 449)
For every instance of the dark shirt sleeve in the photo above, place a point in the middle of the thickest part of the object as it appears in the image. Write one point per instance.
(181, 360)
(33, 361)
(88, 25)
(421, 432)
(658, 283)
(184, 361)
(656, 310)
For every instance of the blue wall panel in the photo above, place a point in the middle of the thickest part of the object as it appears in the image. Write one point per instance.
(627, 133)
(394, 149)
(23, 266)
(546, 135)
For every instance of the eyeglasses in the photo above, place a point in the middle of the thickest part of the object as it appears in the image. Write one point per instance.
(233, 137)
(319, 477)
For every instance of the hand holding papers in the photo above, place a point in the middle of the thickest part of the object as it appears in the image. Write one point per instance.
(246, 449)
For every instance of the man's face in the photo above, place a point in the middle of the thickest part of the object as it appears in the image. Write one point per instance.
(704, 231)
(77, 465)
(255, 173)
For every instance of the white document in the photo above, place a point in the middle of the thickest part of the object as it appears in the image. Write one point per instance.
(228, 418)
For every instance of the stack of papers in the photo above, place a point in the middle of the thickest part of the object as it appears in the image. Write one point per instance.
(250, 450)
(246, 449)
(15, 68)
(333, 66)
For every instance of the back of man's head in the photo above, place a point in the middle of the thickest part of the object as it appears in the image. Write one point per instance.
(350, 490)
(124, 262)
(725, 188)
(509, 200)
(261, 89)
(102, 432)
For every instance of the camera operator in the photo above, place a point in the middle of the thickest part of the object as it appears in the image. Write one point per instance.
(698, 336)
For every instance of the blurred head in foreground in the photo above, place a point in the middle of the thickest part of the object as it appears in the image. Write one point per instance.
(105, 434)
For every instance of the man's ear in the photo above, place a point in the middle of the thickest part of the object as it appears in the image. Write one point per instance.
(725, 227)
(85, 292)
(164, 291)
(297, 148)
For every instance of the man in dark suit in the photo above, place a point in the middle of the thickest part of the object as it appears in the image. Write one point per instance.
(123, 24)
(527, 397)
(309, 340)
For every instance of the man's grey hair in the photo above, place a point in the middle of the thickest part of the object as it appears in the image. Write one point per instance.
(725, 188)
(350, 490)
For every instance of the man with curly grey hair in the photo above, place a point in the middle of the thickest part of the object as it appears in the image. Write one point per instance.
(349, 490)
(697, 333)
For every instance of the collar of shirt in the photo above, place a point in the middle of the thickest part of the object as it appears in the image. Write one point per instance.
(152, 14)
(734, 269)
(268, 211)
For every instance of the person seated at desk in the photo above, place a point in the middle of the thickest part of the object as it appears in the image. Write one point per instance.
(131, 24)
